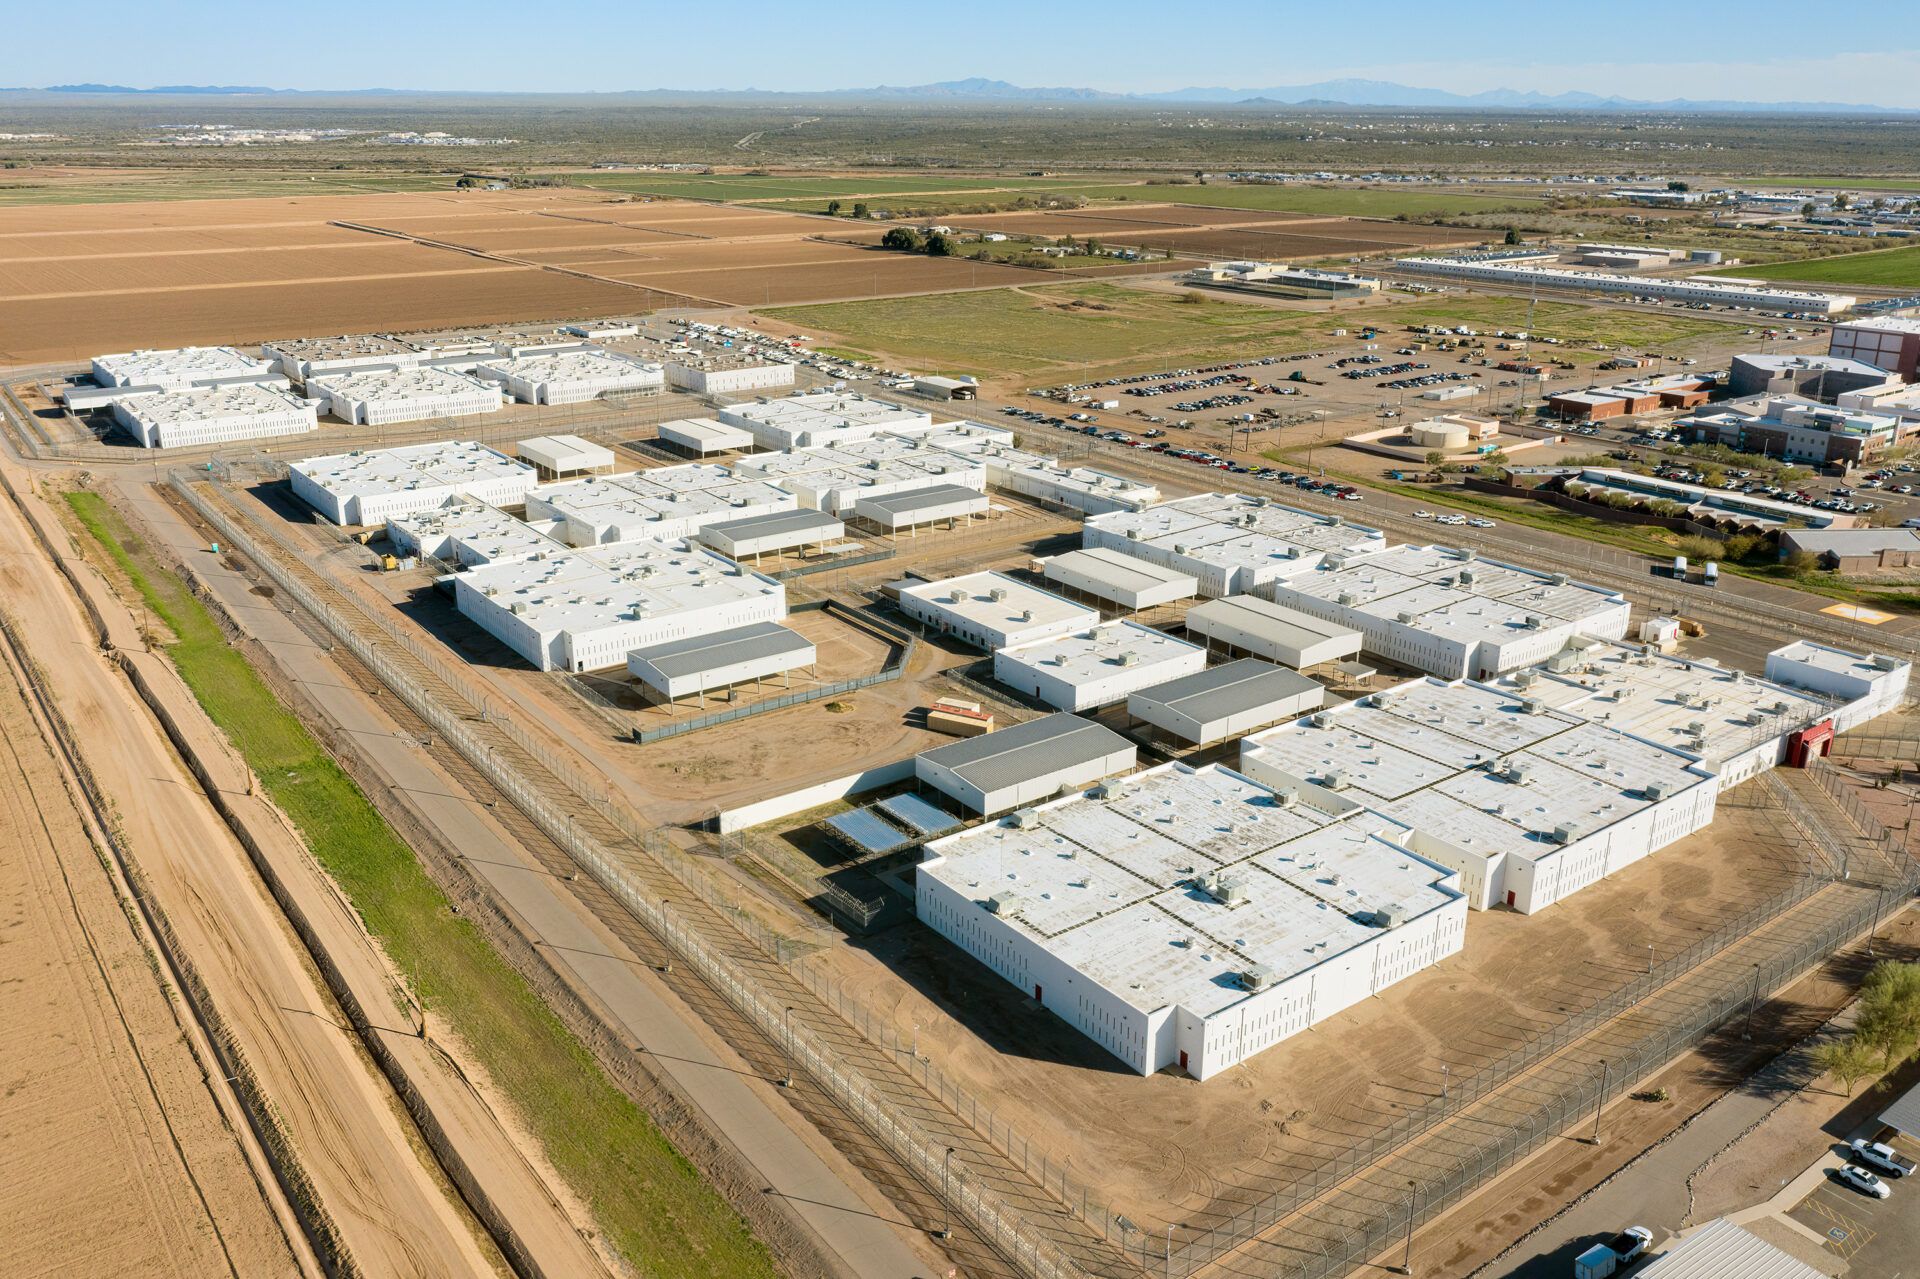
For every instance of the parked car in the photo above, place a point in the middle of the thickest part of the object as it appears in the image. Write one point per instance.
(1877, 1154)
(1863, 1181)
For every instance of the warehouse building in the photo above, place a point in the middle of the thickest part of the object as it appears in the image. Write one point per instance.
(727, 374)
(818, 419)
(386, 396)
(1586, 406)
(586, 610)
(1286, 281)
(1452, 614)
(1712, 292)
(1077, 488)
(701, 664)
(178, 370)
(1229, 543)
(1190, 917)
(557, 457)
(1817, 377)
(993, 611)
(1855, 550)
(1259, 628)
(920, 508)
(771, 534)
(836, 489)
(1527, 803)
(1890, 343)
(373, 485)
(703, 435)
(1096, 667)
(1024, 763)
(469, 535)
(667, 504)
(1124, 583)
(1226, 701)
(573, 377)
(205, 415)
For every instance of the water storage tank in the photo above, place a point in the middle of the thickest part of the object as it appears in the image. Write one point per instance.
(1438, 435)
(1710, 256)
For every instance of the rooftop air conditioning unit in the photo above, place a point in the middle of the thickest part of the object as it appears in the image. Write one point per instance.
(1566, 832)
(1335, 521)
(1884, 662)
(1179, 548)
(1286, 797)
(1392, 915)
(1653, 792)
(1407, 618)
(1129, 658)
(998, 594)
(1025, 819)
(517, 607)
(1109, 790)
(956, 597)
(1228, 892)
(1558, 579)
(1535, 621)
(1469, 554)
(1335, 779)
(1520, 774)
(1533, 706)
(1321, 719)
(1383, 699)
(1466, 577)
(1696, 727)
(1525, 679)
(1259, 977)
(1003, 903)
(1026, 615)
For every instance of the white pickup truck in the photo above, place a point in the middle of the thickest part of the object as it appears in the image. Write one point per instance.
(1604, 1259)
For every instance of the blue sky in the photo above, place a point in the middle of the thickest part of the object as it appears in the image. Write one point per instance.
(1759, 50)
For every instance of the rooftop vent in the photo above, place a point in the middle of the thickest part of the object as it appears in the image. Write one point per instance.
(1259, 977)
(1558, 579)
(998, 594)
(1566, 832)
(1129, 658)
(1003, 903)
(1335, 779)
(1025, 819)
(1533, 706)
(1026, 615)
(1520, 774)
(1228, 892)
(1653, 792)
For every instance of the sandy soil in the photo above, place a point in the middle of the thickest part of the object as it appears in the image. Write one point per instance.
(394, 1213)
(104, 1103)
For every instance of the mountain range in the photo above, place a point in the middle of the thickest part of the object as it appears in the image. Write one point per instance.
(1326, 93)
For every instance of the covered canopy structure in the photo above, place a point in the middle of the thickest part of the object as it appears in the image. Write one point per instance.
(1251, 625)
(703, 435)
(934, 504)
(1124, 582)
(1025, 763)
(780, 531)
(1226, 701)
(701, 663)
(555, 456)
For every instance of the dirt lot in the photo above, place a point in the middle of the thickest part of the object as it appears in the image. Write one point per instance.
(105, 1104)
(1168, 1148)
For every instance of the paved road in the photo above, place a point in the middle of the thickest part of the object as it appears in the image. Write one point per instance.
(740, 1106)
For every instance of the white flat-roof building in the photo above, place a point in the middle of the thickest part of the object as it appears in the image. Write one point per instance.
(703, 435)
(1696, 289)
(992, 610)
(1024, 763)
(586, 610)
(383, 397)
(302, 358)
(838, 489)
(727, 374)
(1077, 487)
(1869, 685)
(1096, 667)
(1451, 614)
(598, 511)
(370, 486)
(177, 370)
(822, 418)
(1226, 701)
(701, 663)
(213, 415)
(1249, 624)
(555, 456)
(1528, 803)
(1125, 582)
(572, 377)
(469, 534)
(1191, 918)
(1230, 543)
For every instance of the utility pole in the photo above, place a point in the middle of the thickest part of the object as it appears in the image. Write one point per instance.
(1754, 998)
(946, 1194)
(786, 1024)
(1599, 1099)
(1406, 1265)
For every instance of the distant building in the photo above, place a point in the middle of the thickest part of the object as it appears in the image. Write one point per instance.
(1888, 342)
(1799, 430)
(1817, 377)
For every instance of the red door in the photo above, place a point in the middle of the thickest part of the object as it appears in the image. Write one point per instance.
(1183, 1059)
(1510, 897)
(1036, 992)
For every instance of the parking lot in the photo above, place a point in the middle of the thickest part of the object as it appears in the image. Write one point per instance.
(1878, 1238)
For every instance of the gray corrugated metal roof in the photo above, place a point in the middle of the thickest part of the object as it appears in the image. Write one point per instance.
(1904, 1113)
(995, 761)
(917, 815)
(1851, 541)
(865, 831)
(1722, 1250)
(920, 499)
(1214, 694)
(1274, 622)
(677, 659)
(1111, 568)
(774, 524)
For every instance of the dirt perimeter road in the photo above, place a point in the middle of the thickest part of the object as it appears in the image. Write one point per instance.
(394, 1214)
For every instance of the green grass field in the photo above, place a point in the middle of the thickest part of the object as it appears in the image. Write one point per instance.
(18, 187)
(654, 1206)
(1028, 330)
(1568, 321)
(1358, 202)
(1881, 268)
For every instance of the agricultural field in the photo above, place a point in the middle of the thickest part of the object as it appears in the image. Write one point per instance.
(1338, 202)
(1056, 331)
(1879, 268)
(741, 187)
(39, 186)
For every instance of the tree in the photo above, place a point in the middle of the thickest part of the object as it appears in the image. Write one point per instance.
(1848, 1061)
(940, 245)
(860, 210)
(1513, 235)
(1801, 563)
(1678, 186)
(1806, 210)
(466, 183)
(1435, 457)
(1889, 1020)
(1093, 245)
(833, 208)
(1842, 200)
(903, 238)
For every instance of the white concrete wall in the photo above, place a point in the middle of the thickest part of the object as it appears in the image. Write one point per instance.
(766, 810)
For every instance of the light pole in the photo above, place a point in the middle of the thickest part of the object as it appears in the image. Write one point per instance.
(1754, 998)
(946, 1194)
(1443, 1082)
(1649, 959)
(786, 1025)
(1171, 1227)
(1599, 1099)
(1406, 1264)
(1879, 902)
